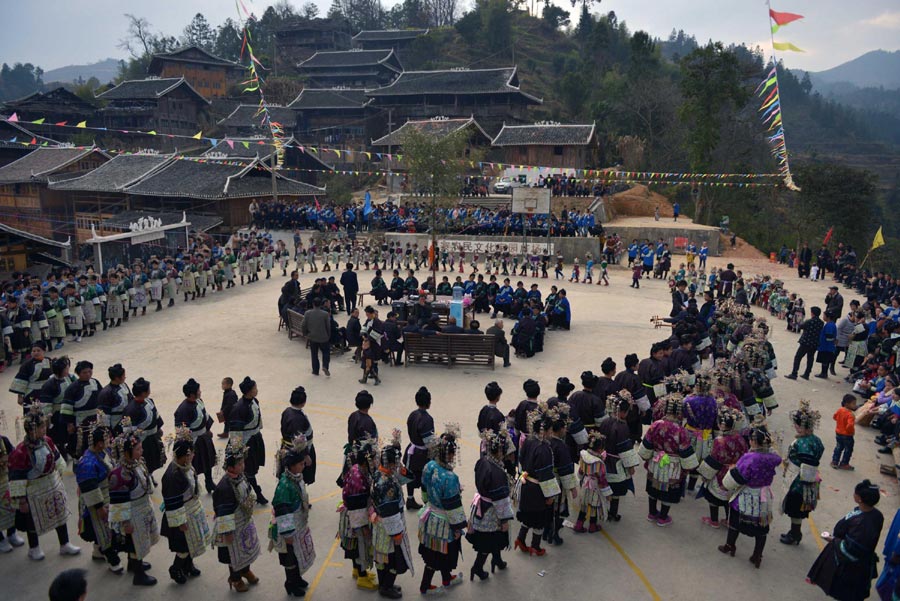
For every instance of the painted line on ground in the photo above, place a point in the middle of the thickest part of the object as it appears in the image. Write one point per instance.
(634, 568)
(816, 535)
(325, 565)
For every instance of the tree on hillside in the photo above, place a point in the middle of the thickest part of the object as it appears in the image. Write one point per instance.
(20, 80)
(554, 16)
(85, 90)
(228, 41)
(441, 13)
(362, 14)
(141, 43)
(834, 195)
(712, 89)
(199, 33)
(496, 24)
(309, 10)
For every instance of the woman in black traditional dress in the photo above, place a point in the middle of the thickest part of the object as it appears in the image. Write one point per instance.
(846, 566)
(420, 428)
(492, 507)
(293, 422)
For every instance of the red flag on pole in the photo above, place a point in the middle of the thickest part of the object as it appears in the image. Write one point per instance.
(784, 18)
(828, 236)
(317, 203)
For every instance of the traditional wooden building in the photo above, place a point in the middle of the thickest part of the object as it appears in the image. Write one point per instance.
(20, 249)
(549, 145)
(493, 96)
(15, 141)
(166, 106)
(397, 40)
(351, 68)
(221, 187)
(56, 106)
(246, 121)
(332, 116)
(438, 127)
(26, 201)
(298, 162)
(297, 41)
(100, 194)
(209, 75)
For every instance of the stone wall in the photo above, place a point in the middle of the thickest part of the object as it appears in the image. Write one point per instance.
(579, 247)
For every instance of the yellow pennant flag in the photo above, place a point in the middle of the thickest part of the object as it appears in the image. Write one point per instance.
(878, 241)
(198, 135)
(82, 125)
(786, 46)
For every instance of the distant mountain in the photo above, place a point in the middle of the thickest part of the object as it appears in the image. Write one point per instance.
(104, 71)
(878, 68)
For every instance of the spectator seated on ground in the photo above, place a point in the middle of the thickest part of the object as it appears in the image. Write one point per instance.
(523, 335)
(444, 288)
(561, 315)
(504, 300)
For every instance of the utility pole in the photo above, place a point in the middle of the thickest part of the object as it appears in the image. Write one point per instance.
(390, 131)
(433, 254)
(274, 181)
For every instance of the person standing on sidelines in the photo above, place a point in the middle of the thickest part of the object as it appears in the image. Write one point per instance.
(317, 329)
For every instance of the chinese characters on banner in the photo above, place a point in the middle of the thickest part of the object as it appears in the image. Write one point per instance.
(513, 248)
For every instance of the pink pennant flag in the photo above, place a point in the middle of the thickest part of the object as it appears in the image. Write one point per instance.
(230, 143)
(13, 118)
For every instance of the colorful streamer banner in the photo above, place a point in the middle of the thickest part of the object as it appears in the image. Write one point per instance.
(782, 19)
(787, 46)
(772, 115)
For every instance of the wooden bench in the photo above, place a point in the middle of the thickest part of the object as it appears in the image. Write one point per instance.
(304, 292)
(294, 324)
(452, 349)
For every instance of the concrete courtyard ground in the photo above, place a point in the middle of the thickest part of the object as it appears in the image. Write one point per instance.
(234, 334)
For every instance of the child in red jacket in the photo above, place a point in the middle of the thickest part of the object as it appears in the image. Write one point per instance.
(846, 427)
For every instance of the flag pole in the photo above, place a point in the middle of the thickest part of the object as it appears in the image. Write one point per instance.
(787, 161)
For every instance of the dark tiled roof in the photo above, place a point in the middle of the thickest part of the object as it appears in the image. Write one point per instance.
(388, 34)
(545, 135)
(246, 116)
(13, 135)
(200, 223)
(262, 186)
(453, 81)
(38, 165)
(58, 100)
(336, 98)
(189, 54)
(435, 127)
(115, 175)
(237, 150)
(33, 237)
(349, 58)
(147, 89)
(212, 180)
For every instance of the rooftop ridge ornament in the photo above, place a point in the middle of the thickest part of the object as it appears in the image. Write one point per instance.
(440, 118)
(145, 223)
(65, 145)
(216, 155)
(148, 152)
(459, 68)
(547, 123)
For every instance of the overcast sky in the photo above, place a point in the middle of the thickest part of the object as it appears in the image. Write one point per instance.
(55, 33)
